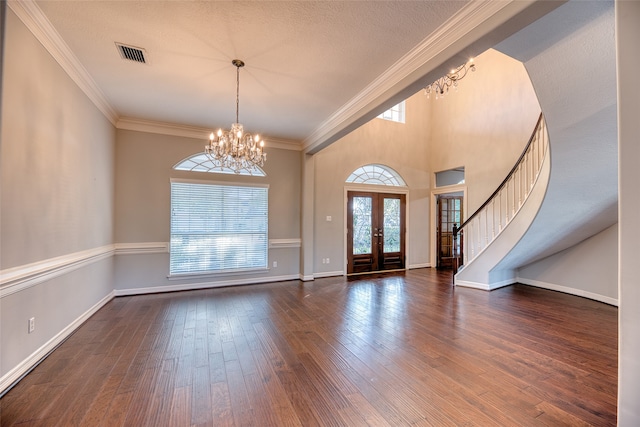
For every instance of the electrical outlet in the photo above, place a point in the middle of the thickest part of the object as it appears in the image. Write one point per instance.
(32, 324)
(328, 261)
(275, 264)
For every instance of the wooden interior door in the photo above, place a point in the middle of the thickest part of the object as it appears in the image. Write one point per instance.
(449, 213)
(375, 231)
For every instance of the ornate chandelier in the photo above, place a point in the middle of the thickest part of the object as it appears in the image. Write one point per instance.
(442, 85)
(233, 148)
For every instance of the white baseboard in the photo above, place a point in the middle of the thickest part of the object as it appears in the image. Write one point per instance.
(423, 265)
(483, 286)
(539, 284)
(328, 274)
(468, 284)
(37, 356)
(306, 278)
(501, 284)
(568, 290)
(202, 285)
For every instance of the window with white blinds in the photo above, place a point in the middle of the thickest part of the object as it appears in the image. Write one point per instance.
(217, 227)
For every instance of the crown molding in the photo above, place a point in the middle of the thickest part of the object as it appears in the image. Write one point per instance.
(35, 20)
(283, 144)
(458, 32)
(162, 128)
(172, 129)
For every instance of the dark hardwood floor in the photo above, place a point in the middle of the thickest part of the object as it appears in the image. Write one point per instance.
(395, 349)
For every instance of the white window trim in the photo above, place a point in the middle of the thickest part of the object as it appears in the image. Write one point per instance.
(227, 272)
(219, 273)
(227, 183)
(385, 168)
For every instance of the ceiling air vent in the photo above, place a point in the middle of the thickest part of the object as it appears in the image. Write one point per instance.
(131, 53)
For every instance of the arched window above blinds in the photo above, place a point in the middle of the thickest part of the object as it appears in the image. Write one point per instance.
(201, 163)
(376, 174)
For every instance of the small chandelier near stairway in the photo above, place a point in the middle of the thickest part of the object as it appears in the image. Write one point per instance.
(234, 149)
(442, 85)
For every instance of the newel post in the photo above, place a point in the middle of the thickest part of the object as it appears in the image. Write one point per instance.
(455, 250)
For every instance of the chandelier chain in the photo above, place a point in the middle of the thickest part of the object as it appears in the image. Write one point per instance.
(238, 93)
(234, 149)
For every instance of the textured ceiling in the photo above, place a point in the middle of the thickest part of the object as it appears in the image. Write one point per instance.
(304, 60)
(315, 70)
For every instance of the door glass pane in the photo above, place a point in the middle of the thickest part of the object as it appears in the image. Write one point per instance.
(361, 225)
(391, 225)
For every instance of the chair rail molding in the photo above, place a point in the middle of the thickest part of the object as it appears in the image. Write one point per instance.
(141, 248)
(18, 278)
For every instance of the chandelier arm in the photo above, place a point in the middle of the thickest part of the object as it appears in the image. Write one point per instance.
(442, 85)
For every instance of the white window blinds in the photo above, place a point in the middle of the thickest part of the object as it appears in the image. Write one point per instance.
(217, 227)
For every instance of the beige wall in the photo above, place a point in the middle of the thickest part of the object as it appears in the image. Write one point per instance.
(485, 125)
(402, 147)
(56, 201)
(144, 168)
(596, 277)
(57, 158)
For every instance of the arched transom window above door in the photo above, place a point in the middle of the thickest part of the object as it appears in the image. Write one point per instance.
(376, 174)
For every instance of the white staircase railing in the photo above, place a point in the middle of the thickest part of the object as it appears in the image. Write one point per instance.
(486, 223)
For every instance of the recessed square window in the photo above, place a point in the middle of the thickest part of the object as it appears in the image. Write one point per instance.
(394, 114)
(450, 177)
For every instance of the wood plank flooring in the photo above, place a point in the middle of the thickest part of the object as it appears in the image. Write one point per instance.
(382, 350)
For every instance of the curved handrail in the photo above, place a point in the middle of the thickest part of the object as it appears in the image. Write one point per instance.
(538, 141)
(506, 180)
